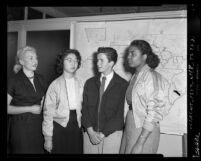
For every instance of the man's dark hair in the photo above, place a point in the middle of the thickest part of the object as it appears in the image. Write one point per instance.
(109, 52)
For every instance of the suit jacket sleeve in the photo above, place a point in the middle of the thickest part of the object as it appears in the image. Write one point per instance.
(85, 119)
(118, 121)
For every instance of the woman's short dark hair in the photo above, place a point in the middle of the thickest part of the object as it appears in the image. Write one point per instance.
(60, 59)
(145, 48)
(109, 52)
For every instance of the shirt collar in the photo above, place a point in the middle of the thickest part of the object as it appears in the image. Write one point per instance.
(144, 68)
(21, 72)
(108, 77)
(68, 79)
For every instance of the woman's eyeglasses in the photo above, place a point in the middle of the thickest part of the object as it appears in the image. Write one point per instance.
(71, 60)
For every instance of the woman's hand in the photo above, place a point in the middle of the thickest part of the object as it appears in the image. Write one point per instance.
(48, 145)
(137, 148)
(35, 109)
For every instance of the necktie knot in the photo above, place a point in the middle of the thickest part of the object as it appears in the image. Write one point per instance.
(103, 79)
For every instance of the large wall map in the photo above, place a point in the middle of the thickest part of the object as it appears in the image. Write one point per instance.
(168, 38)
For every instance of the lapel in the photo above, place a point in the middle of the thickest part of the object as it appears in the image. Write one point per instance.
(111, 84)
(26, 80)
(139, 78)
(140, 75)
(97, 81)
(63, 91)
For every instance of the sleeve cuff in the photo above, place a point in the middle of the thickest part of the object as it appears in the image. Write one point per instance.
(48, 138)
(105, 133)
(86, 125)
(148, 125)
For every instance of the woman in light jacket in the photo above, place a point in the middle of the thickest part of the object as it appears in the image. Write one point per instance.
(62, 108)
(147, 97)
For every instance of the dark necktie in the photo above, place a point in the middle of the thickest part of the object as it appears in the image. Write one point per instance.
(101, 91)
(102, 87)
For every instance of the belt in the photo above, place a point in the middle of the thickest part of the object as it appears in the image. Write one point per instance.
(130, 107)
(73, 111)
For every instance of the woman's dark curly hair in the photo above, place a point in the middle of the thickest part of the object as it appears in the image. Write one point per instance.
(60, 59)
(145, 48)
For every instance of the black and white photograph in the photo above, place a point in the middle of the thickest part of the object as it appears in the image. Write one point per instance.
(102, 80)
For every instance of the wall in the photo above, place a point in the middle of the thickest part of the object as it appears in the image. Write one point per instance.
(48, 45)
(11, 52)
(170, 145)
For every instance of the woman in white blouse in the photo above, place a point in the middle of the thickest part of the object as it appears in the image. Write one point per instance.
(147, 97)
(62, 108)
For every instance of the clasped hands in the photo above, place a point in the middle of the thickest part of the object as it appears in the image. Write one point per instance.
(95, 137)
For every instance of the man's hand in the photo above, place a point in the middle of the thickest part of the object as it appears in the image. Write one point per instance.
(101, 135)
(94, 136)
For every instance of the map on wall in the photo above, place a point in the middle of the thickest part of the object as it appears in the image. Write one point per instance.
(168, 38)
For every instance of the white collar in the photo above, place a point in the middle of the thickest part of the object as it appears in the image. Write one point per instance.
(69, 79)
(144, 68)
(108, 77)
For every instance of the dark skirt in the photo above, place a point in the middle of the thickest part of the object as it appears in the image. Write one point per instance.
(68, 140)
(26, 134)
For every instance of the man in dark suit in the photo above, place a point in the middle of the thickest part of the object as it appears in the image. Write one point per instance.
(103, 106)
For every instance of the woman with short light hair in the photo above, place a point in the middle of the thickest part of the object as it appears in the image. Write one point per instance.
(25, 93)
